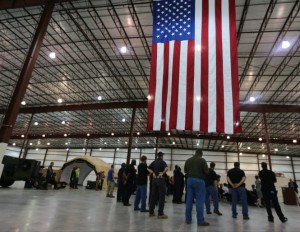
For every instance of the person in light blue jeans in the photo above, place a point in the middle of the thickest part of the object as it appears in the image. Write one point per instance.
(196, 170)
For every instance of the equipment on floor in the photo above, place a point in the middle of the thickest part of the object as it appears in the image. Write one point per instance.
(18, 169)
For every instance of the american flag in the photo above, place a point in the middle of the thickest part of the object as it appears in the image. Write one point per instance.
(194, 69)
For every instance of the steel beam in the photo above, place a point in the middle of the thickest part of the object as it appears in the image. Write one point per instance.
(23, 81)
(9, 4)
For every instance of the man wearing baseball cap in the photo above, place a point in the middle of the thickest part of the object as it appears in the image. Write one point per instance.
(158, 168)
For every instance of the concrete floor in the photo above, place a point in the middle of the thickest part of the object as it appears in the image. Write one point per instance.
(88, 210)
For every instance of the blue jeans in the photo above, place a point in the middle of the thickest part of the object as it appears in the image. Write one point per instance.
(212, 191)
(140, 196)
(195, 190)
(241, 192)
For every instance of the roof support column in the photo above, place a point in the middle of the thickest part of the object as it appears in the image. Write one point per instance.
(267, 137)
(23, 81)
(130, 136)
(25, 141)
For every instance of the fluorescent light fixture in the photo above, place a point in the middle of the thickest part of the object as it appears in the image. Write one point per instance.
(285, 44)
(52, 55)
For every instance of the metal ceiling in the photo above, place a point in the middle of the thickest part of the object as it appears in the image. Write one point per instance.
(87, 35)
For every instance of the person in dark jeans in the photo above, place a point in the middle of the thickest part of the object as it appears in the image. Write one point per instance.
(120, 191)
(129, 177)
(178, 185)
(268, 180)
(50, 176)
(158, 190)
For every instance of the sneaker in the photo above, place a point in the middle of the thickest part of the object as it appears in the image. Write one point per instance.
(127, 204)
(152, 215)
(137, 209)
(271, 219)
(111, 196)
(218, 213)
(283, 220)
(204, 224)
(246, 218)
(144, 210)
(162, 216)
(234, 216)
(208, 212)
(188, 222)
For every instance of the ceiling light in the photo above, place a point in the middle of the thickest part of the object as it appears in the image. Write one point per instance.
(252, 99)
(83, 149)
(248, 148)
(52, 55)
(135, 148)
(285, 44)
(14, 144)
(173, 143)
(117, 149)
(154, 148)
(36, 123)
(294, 140)
(287, 157)
(63, 122)
(169, 134)
(88, 134)
(197, 144)
(148, 142)
(39, 142)
(43, 135)
(105, 143)
(30, 144)
(241, 153)
(99, 98)
(59, 100)
(67, 149)
(23, 103)
(228, 137)
(125, 142)
(100, 148)
(138, 133)
(36, 149)
(66, 143)
(112, 134)
(222, 146)
(260, 139)
(123, 120)
(123, 49)
(48, 144)
(22, 136)
(65, 135)
(276, 149)
(149, 97)
(263, 155)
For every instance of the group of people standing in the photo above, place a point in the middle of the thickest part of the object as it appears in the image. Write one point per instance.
(201, 187)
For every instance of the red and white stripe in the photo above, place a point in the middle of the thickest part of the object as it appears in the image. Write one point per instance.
(194, 84)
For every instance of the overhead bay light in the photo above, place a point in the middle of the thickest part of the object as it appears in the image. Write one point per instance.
(36, 149)
(173, 143)
(52, 55)
(118, 149)
(260, 139)
(59, 100)
(23, 103)
(66, 143)
(148, 142)
(30, 144)
(63, 122)
(22, 136)
(228, 137)
(100, 149)
(294, 140)
(135, 148)
(43, 135)
(36, 123)
(248, 148)
(14, 144)
(123, 49)
(65, 135)
(252, 99)
(138, 133)
(88, 134)
(123, 120)
(99, 98)
(276, 149)
(112, 134)
(285, 44)
(263, 155)
(169, 133)
(287, 157)
(48, 144)
(222, 146)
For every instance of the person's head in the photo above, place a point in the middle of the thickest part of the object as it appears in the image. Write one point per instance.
(256, 177)
(212, 165)
(236, 164)
(291, 180)
(160, 155)
(51, 164)
(133, 162)
(253, 186)
(143, 159)
(264, 165)
(123, 165)
(199, 152)
(112, 166)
